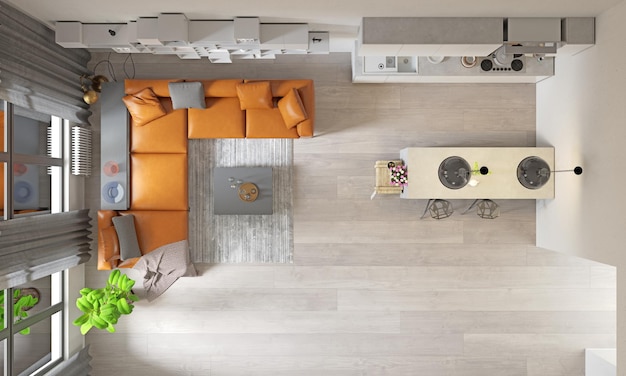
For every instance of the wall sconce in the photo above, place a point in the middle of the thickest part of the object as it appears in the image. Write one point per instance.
(91, 86)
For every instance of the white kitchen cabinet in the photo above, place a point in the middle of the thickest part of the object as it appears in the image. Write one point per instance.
(319, 42)
(105, 35)
(535, 29)
(284, 36)
(210, 33)
(418, 50)
(148, 31)
(577, 34)
(430, 36)
(69, 34)
(173, 29)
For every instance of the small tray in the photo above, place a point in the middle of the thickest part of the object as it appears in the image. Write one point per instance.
(248, 192)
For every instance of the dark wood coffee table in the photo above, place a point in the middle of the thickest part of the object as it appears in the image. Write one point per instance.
(227, 200)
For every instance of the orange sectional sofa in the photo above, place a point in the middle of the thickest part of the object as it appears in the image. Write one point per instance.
(159, 133)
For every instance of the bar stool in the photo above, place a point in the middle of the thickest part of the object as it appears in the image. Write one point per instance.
(439, 209)
(485, 208)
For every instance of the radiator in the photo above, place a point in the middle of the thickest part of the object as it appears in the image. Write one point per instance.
(81, 151)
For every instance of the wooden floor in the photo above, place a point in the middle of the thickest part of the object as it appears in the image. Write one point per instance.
(373, 289)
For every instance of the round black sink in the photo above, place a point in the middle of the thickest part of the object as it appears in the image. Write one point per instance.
(533, 172)
(454, 172)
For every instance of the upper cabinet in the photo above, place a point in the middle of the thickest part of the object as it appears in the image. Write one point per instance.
(577, 34)
(432, 36)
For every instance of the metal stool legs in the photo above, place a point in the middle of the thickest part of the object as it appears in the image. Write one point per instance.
(485, 208)
(439, 209)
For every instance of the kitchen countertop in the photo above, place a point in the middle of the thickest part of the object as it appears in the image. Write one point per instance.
(451, 66)
(450, 70)
(500, 183)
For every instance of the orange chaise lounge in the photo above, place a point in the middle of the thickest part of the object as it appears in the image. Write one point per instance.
(160, 126)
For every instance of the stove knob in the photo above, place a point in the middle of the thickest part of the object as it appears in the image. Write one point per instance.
(486, 65)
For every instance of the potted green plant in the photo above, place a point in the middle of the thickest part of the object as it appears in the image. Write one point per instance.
(103, 307)
(21, 304)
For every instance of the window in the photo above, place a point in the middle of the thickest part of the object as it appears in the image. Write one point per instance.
(31, 183)
(31, 334)
(31, 143)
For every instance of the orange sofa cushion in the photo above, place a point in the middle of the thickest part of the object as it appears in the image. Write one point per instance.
(156, 228)
(144, 106)
(111, 244)
(159, 86)
(108, 245)
(306, 90)
(158, 182)
(221, 88)
(268, 124)
(255, 95)
(167, 134)
(222, 118)
(291, 109)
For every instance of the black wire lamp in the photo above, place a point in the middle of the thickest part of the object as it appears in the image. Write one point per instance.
(91, 85)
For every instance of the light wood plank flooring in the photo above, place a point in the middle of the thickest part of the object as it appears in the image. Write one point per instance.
(374, 290)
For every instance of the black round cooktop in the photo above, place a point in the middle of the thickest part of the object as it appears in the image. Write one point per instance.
(486, 65)
(517, 65)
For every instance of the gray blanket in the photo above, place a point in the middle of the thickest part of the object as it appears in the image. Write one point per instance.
(163, 266)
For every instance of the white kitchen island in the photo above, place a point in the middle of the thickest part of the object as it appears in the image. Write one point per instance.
(500, 183)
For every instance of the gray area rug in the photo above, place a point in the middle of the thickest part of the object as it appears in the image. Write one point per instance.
(240, 238)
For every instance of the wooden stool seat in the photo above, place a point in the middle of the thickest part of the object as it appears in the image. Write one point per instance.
(383, 179)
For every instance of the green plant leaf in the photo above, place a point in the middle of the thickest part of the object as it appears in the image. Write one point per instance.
(85, 328)
(25, 331)
(81, 319)
(102, 306)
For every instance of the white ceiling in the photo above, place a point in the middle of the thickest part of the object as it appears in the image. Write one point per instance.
(332, 15)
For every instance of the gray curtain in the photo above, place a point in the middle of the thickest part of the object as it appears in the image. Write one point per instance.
(37, 246)
(77, 365)
(37, 73)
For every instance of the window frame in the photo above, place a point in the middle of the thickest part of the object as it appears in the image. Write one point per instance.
(58, 165)
(12, 328)
(59, 144)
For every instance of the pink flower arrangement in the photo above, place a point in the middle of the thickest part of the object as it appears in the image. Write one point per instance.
(399, 175)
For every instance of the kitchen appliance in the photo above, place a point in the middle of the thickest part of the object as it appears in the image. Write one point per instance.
(539, 36)
(500, 61)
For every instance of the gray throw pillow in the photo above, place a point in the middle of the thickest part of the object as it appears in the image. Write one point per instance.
(127, 236)
(187, 95)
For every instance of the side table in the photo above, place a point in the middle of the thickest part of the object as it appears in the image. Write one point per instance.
(383, 178)
(114, 148)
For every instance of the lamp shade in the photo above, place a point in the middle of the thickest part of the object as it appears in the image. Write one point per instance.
(90, 97)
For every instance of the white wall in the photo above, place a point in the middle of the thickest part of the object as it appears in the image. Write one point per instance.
(581, 111)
